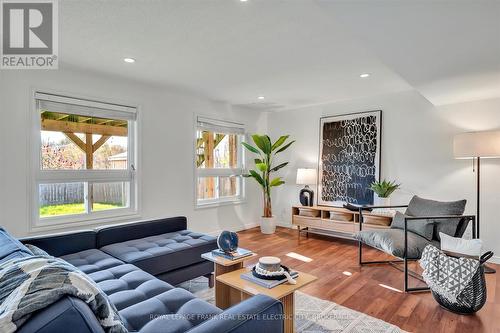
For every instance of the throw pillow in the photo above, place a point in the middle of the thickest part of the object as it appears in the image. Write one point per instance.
(469, 247)
(37, 251)
(424, 228)
(308, 212)
(425, 207)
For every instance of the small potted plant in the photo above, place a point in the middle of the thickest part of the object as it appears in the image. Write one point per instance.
(383, 189)
(266, 151)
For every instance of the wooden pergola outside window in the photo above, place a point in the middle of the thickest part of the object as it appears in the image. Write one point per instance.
(70, 125)
(207, 145)
(75, 177)
(219, 161)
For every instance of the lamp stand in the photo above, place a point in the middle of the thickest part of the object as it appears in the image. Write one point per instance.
(487, 269)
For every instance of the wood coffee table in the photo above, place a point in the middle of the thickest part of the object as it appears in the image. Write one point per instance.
(223, 293)
(242, 289)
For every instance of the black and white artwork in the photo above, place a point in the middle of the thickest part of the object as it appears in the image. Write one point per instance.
(349, 158)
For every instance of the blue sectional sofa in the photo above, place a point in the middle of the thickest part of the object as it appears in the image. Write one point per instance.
(132, 263)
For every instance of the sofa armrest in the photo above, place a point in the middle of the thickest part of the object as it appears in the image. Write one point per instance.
(67, 314)
(257, 314)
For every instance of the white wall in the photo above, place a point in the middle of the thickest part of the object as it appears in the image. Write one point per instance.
(167, 129)
(416, 148)
(417, 151)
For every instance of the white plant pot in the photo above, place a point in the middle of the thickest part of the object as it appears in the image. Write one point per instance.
(268, 225)
(383, 202)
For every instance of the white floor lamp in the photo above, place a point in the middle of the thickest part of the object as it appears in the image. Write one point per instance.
(478, 145)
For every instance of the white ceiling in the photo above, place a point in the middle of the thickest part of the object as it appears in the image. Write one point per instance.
(449, 50)
(294, 52)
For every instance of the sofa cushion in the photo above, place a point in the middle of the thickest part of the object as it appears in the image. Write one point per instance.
(11, 248)
(162, 253)
(391, 241)
(425, 207)
(127, 285)
(15, 255)
(424, 227)
(36, 250)
(93, 260)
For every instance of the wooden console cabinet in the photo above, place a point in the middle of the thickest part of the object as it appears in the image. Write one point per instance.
(345, 226)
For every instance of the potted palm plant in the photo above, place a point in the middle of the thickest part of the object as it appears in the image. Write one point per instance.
(266, 151)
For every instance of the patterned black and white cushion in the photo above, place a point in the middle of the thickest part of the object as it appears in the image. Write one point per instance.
(445, 275)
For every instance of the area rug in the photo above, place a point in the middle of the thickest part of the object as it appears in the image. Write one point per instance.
(313, 314)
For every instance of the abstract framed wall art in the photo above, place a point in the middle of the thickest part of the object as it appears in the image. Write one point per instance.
(349, 158)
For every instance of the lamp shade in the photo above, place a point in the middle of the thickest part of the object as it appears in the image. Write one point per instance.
(477, 144)
(306, 176)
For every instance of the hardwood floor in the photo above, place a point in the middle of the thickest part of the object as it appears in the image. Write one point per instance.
(374, 289)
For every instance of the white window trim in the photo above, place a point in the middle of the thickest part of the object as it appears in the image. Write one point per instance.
(210, 203)
(37, 176)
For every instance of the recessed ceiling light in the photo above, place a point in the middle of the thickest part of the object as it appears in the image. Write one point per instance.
(261, 97)
(364, 75)
(243, 0)
(129, 60)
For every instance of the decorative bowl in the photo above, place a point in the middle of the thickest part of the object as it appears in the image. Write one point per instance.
(264, 277)
(270, 264)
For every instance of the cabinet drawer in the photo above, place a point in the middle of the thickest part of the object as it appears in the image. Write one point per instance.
(345, 227)
(307, 221)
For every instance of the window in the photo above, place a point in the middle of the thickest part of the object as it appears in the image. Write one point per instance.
(218, 162)
(85, 161)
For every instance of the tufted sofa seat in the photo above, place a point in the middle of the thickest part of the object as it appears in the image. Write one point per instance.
(162, 253)
(145, 303)
(91, 260)
(139, 297)
(118, 258)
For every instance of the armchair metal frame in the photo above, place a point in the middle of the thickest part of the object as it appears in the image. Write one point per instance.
(407, 272)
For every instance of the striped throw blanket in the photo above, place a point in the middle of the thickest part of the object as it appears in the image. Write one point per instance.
(34, 283)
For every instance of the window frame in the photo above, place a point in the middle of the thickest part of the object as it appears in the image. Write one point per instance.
(220, 172)
(39, 176)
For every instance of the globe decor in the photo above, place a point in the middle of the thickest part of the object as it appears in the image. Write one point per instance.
(227, 241)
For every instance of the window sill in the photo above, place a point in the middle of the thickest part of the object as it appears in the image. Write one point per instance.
(49, 225)
(219, 204)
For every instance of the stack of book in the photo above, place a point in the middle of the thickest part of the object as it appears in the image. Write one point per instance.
(235, 255)
(266, 283)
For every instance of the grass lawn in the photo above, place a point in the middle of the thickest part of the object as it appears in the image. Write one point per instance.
(70, 209)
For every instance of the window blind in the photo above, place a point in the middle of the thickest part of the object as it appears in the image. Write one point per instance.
(81, 107)
(219, 126)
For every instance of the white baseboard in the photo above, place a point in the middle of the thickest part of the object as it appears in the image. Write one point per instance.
(248, 226)
(285, 225)
(495, 260)
(239, 228)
